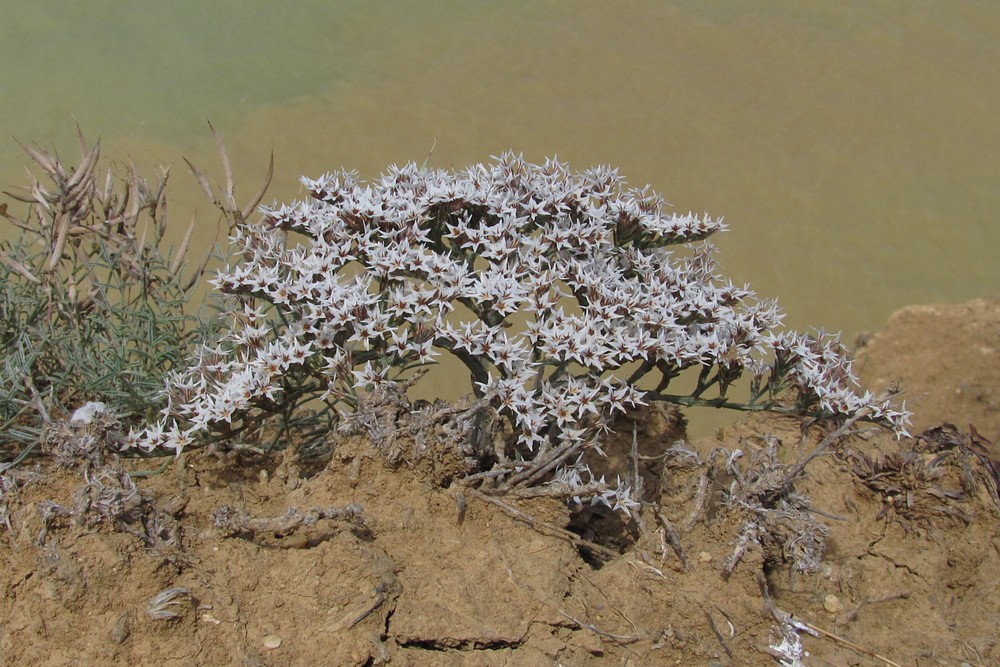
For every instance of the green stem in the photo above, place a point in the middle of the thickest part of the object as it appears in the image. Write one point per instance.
(155, 471)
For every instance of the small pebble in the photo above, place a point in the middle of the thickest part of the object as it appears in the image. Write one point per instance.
(272, 641)
(833, 604)
(704, 557)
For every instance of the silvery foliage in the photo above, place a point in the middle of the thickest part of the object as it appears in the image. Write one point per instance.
(559, 291)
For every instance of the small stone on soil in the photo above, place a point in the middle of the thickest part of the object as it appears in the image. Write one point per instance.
(833, 604)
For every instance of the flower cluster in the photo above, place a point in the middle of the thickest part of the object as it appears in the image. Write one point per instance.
(568, 297)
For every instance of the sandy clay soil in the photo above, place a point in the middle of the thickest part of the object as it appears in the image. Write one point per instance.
(883, 552)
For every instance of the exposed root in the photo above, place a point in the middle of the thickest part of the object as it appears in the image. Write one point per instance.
(234, 522)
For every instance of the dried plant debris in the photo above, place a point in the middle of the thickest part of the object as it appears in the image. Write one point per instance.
(107, 493)
(779, 520)
(85, 442)
(988, 454)
(109, 497)
(750, 482)
(935, 475)
(12, 480)
(91, 432)
(169, 604)
(451, 438)
(237, 523)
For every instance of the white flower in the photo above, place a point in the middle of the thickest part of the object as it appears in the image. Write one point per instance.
(369, 376)
(559, 287)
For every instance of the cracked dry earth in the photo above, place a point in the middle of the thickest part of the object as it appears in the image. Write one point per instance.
(384, 565)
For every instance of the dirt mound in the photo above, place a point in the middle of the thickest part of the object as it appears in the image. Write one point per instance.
(946, 358)
(881, 547)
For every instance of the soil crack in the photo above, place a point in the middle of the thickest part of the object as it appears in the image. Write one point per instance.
(453, 644)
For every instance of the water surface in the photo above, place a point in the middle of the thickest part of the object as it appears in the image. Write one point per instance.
(852, 147)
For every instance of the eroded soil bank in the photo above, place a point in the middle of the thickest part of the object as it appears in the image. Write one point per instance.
(884, 547)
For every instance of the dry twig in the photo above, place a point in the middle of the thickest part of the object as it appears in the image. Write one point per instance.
(554, 530)
(851, 645)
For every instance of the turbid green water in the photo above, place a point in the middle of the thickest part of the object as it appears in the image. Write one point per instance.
(853, 147)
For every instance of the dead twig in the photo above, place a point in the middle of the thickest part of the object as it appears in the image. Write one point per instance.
(673, 538)
(718, 635)
(543, 465)
(621, 639)
(849, 644)
(637, 484)
(783, 618)
(849, 616)
(558, 490)
(552, 529)
(236, 522)
(700, 502)
(799, 467)
(363, 608)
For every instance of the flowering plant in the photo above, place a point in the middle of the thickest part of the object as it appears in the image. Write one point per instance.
(567, 296)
